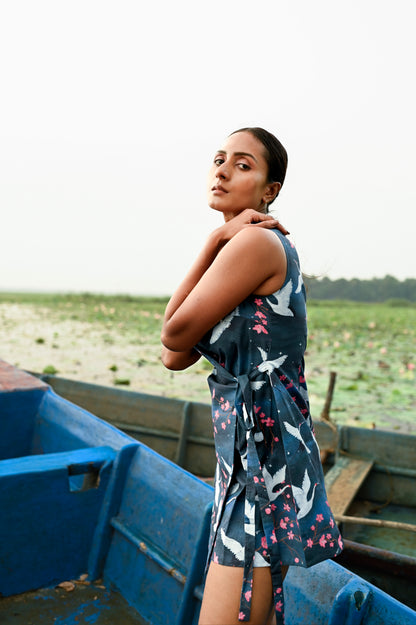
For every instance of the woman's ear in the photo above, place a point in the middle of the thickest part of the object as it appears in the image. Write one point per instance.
(271, 192)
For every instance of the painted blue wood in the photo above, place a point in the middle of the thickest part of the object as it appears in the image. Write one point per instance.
(47, 519)
(17, 421)
(62, 472)
(328, 594)
(103, 531)
(61, 426)
(77, 462)
(77, 495)
(160, 540)
(191, 599)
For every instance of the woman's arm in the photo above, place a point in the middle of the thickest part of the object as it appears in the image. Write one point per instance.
(215, 242)
(238, 258)
(177, 361)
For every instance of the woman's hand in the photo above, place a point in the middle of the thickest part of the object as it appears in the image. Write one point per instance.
(229, 266)
(248, 218)
(252, 258)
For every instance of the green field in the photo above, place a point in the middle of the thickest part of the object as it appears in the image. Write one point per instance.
(372, 347)
(115, 340)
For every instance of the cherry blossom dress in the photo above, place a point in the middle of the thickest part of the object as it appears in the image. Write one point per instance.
(270, 505)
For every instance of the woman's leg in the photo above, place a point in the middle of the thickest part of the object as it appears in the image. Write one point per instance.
(221, 601)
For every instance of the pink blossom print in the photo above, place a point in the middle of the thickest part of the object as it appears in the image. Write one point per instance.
(270, 505)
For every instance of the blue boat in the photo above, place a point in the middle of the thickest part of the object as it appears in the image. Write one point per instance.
(95, 527)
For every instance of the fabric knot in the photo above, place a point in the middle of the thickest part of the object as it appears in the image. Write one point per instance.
(286, 491)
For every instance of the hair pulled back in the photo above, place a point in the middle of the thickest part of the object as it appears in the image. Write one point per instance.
(275, 153)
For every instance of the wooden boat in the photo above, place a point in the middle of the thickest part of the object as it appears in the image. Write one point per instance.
(370, 474)
(97, 527)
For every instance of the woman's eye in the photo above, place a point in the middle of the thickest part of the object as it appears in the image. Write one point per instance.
(218, 161)
(243, 166)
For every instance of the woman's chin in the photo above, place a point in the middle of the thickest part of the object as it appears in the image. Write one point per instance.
(216, 205)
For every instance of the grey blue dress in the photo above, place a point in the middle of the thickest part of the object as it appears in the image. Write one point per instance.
(270, 506)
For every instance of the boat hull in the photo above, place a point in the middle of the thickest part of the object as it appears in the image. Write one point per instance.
(82, 501)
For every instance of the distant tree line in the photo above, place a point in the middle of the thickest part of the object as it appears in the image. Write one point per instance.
(374, 290)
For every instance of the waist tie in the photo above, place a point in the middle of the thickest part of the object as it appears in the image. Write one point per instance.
(255, 488)
(298, 525)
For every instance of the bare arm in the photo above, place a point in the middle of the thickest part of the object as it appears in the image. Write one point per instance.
(177, 361)
(215, 242)
(237, 259)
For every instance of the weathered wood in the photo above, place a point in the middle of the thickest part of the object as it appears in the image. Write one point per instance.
(381, 446)
(180, 455)
(344, 480)
(396, 525)
(128, 406)
(182, 431)
(12, 379)
(326, 435)
(156, 421)
(329, 395)
(393, 572)
(395, 488)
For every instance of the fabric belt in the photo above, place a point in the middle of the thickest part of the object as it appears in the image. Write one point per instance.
(255, 487)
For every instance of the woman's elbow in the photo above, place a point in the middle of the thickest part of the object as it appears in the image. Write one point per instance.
(166, 340)
(177, 361)
(168, 359)
(175, 341)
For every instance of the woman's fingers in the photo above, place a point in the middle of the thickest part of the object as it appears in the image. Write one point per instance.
(275, 224)
(264, 220)
(252, 216)
(248, 218)
(271, 223)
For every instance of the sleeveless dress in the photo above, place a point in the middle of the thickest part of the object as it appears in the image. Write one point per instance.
(270, 505)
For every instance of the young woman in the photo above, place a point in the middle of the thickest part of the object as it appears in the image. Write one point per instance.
(242, 306)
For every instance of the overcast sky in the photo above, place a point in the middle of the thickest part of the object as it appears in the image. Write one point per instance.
(110, 113)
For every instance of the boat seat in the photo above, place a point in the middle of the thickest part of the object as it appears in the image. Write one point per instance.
(50, 506)
(344, 480)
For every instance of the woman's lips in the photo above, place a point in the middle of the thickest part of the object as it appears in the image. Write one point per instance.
(219, 189)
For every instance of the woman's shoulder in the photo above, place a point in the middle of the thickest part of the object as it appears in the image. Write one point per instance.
(258, 239)
(262, 252)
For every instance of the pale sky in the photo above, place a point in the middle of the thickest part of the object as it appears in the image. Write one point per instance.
(110, 113)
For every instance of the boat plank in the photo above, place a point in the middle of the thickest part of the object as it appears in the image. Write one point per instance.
(381, 446)
(344, 480)
(12, 379)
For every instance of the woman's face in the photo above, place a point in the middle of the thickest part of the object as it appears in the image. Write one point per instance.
(238, 177)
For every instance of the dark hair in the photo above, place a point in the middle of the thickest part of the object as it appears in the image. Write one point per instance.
(275, 153)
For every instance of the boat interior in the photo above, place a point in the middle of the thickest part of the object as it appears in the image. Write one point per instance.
(98, 527)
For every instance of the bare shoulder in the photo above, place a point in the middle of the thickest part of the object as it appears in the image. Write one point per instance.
(266, 248)
(261, 242)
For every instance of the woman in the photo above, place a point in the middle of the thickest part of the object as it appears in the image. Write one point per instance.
(242, 306)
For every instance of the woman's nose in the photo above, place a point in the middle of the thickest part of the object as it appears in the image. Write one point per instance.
(222, 170)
